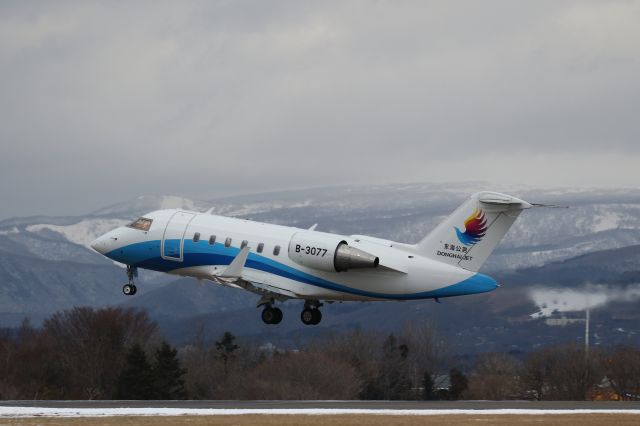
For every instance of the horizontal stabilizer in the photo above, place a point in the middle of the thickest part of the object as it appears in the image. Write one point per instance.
(551, 206)
(499, 199)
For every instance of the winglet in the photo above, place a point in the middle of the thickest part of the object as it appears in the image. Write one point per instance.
(313, 227)
(234, 270)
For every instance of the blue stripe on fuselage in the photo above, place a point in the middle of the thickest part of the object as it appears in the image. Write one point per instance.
(147, 255)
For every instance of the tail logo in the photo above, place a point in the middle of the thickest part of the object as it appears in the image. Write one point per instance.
(475, 228)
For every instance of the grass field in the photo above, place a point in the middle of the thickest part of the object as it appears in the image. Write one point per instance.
(349, 420)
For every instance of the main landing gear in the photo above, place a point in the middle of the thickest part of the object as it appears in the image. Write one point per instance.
(130, 289)
(271, 315)
(311, 314)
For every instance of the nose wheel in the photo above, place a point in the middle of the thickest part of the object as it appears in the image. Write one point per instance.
(130, 289)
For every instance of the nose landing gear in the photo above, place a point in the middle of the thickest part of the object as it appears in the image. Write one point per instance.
(130, 289)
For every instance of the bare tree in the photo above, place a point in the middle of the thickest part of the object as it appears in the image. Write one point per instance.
(537, 369)
(194, 358)
(622, 367)
(89, 347)
(561, 372)
(428, 353)
(206, 370)
(35, 375)
(496, 377)
(304, 375)
(359, 349)
(8, 352)
(394, 380)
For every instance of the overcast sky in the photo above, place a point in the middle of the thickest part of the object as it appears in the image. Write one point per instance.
(100, 102)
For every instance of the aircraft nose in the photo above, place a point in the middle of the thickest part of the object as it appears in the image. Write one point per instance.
(105, 243)
(99, 244)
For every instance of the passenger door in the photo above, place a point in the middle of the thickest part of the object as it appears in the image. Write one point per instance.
(173, 238)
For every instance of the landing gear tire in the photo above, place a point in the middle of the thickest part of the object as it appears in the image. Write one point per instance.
(278, 318)
(311, 316)
(129, 289)
(271, 315)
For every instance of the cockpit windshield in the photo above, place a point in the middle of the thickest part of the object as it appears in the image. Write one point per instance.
(142, 224)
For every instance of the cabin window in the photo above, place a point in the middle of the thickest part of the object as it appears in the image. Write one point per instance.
(212, 239)
(276, 250)
(244, 244)
(227, 242)
(260, 247)
(196, 237)
(142, 224)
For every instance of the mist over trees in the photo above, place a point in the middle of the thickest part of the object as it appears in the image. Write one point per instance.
(117, 353)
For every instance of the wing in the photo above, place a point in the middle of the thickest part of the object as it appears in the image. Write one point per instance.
(266, 291)
(231, 276)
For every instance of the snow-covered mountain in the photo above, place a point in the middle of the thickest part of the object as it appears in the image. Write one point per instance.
(46, 265)
(146, 203)
(596, 219)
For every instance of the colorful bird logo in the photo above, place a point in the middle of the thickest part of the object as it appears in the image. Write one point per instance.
(475, 228)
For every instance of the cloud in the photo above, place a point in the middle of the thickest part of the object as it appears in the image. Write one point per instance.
(102, 101)
(550, 300)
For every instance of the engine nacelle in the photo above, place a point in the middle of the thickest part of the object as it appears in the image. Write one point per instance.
(328, 252)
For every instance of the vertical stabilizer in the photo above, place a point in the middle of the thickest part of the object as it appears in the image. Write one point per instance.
(470, 234)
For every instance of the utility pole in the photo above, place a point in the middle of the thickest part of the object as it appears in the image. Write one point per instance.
(587, 320)
(586, 332)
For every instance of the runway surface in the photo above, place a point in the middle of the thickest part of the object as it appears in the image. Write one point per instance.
(290, 413)
(338, 405)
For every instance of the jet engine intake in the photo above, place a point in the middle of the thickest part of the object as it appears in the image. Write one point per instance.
(328, 252)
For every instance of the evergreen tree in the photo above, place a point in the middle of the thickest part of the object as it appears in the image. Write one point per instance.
(136, 380)
(393, 377)
(459, 383)
(225, 348)
(427, 384)
(167, 374)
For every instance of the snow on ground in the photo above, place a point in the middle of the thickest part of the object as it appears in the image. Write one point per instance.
(13, 230)
(83, 232)
(12, 412)
(173, 202)
(607, 220)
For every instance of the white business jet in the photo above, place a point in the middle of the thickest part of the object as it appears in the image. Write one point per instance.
(280, 262)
